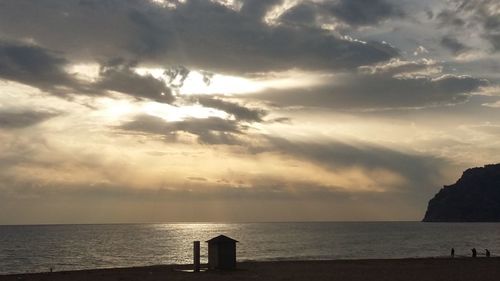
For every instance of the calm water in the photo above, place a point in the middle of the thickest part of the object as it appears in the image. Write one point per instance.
(65, 247)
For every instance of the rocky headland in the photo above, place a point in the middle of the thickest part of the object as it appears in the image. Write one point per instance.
(475, 197)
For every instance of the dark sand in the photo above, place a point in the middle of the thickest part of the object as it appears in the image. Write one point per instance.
(481, 269)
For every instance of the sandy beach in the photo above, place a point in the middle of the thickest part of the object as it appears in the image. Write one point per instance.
(391, 269)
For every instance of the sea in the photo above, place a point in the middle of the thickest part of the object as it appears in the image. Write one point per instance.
(37, 248)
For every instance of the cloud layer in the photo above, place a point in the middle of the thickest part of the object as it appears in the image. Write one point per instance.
(306, 110)
(199, 34)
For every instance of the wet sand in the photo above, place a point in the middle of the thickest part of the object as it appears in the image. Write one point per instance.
(435, 269)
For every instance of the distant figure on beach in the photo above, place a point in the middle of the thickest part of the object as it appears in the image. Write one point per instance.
(487, 253)
(452, 254)
(474, 252)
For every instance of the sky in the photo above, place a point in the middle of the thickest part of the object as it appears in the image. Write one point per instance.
(124, 111)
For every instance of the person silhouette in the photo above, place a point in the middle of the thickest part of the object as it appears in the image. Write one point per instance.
(452, 254)
(474, 252)
(487, 253)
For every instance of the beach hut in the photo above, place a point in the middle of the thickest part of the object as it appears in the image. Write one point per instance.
(221, 253)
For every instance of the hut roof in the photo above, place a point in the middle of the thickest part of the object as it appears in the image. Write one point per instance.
(221, 239)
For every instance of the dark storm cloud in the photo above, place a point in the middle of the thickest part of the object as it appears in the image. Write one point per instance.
(363, 12)
(354, 13)
(379, 91)
(450, 18)
(493, 31)
(238, 111)
(150, 35)
(211, 130)
(38, 67)
(230, 42)
(23, 118)
(33, 66)
(85, 28)
(452, 44)
(197, 34)
(119, 76)
(483, 14)
(304, 13)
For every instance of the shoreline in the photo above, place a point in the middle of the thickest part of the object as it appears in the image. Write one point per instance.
(432, 268)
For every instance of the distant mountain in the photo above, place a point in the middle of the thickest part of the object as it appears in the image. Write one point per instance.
(475, 197)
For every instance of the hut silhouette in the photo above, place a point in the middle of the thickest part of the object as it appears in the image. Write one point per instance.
(222, 253)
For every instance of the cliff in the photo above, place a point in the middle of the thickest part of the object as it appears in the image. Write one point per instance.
(475, 197)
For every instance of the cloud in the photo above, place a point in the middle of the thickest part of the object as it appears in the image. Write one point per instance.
(24, 203)
(481, 16)
(211, 130)
(81, 159)
(119, 76)
(38, 67)
(388, 85)
(90, 178)
(237, 44)
(33, 65)
(450, 18)
(353, 13)
(361, 12)
(197, 34)
(378, 91)
(491, 129)
(403, 68)
(258, 8)
(485, 13)
(303, 13)
(10, 119)
(86, 177)
(452, 44)
(239, 112)
(196, 178)
(419, 171)
(85, 29)
(22, 149)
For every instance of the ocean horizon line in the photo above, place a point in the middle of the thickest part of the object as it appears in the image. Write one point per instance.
(217, 222)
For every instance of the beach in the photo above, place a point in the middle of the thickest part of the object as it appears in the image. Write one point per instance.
(421, 269)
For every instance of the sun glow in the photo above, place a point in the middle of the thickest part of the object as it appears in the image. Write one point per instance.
(196, 83)
(202, 83)
(116, 109)
(199, 83)
(88, 71)
(113, 110)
